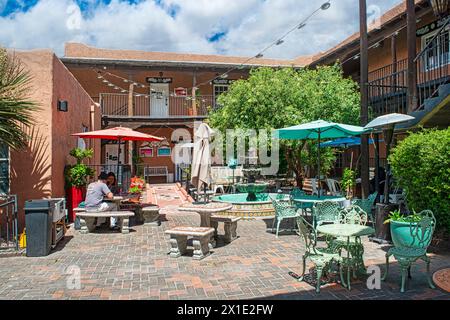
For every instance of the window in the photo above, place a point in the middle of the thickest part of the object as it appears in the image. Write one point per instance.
(164, 152)
(4, 169)
(218, 90)
(438, 53)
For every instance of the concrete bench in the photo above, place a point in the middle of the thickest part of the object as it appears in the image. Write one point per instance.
(87, 219)
(150, 215)
(230, 226)
(201, 238)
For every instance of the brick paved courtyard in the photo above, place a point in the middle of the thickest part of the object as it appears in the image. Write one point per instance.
(136, 266)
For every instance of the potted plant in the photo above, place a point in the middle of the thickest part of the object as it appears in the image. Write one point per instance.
(77, 178)
(136, 188)
(400, 226)
(348, 183)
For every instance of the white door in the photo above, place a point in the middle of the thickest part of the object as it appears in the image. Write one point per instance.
(159, 102)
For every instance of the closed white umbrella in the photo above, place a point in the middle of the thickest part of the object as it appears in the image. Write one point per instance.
(201, 162)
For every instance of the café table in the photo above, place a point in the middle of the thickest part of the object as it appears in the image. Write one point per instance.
(348, 231)
(309, 201)
(206, 210)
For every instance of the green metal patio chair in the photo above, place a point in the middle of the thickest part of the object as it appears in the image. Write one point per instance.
(327, 211)
(421, 233)
(320, 257)
(299, 193)
(283, 210)
(351, 215)
(367, 205)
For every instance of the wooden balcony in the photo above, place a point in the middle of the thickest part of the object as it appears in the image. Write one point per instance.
(114, 105)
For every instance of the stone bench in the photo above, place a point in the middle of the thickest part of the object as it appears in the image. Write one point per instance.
(201, 238)
(150, 215)
(230, 226)
(87, 219)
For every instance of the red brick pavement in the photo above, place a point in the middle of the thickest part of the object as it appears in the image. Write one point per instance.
(136, 266)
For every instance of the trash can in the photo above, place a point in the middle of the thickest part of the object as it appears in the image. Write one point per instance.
(38, 222)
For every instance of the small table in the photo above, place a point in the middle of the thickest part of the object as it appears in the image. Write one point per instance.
(206, 210)
(308, 202)
(347, 231)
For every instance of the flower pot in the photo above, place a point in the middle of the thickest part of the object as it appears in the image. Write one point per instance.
(401, 235)
(75, 196)
(134, 198)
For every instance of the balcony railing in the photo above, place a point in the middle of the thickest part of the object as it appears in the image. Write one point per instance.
(388, 86)
(158, 107)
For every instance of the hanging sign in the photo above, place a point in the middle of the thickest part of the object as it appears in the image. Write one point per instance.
(222, 81)
(430, 27)
(158, 80)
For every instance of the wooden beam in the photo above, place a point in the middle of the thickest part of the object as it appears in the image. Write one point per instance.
(364, 53)
(412, 52)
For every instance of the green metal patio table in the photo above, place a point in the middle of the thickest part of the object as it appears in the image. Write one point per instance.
(348, 231)
(307, 201)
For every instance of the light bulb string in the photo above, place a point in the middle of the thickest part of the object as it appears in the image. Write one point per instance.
(279, 41)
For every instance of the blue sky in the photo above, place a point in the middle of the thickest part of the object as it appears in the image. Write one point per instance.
(234, 27)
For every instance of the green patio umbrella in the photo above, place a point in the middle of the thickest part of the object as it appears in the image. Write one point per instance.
(318, 130)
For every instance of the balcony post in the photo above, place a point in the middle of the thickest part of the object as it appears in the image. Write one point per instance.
(412, 51)
(130, 114)
(364, 97)
(194, 89)
(394, 60)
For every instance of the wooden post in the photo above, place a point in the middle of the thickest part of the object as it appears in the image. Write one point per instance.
(394, 60)
(412, 69)
(194, 89)
(130, 114)
(364, 97)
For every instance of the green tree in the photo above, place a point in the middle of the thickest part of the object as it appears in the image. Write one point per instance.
(15, 106)
(421, 166)
(273, 99)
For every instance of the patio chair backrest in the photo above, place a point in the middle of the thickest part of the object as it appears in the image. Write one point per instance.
(422, 231)
(297, 193)
(283, 208)
(353, 215)
(308, 234)
(334, 187)
(327, 211)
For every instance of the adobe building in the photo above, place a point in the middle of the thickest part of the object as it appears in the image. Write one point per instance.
(157, 93)
(38, 170)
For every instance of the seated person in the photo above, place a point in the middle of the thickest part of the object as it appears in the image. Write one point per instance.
(96, 192)
(111, 182)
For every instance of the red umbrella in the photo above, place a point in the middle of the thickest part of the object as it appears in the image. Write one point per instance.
(120, 134)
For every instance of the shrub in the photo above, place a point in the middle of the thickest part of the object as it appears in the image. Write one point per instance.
(421, 166)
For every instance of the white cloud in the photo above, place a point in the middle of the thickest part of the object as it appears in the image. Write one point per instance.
(250, 24)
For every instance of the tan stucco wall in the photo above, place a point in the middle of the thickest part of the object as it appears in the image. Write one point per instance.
(37, 171)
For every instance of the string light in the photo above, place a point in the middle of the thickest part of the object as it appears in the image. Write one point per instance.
(241, 66)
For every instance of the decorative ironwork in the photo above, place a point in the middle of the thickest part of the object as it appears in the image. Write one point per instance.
(421, 234)
(283, 210)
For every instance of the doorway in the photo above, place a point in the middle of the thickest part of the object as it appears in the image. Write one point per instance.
(159, 101)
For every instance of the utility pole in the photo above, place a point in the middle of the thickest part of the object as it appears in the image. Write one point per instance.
(364, 96)
(412, 51)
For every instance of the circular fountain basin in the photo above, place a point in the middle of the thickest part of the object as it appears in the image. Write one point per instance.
(259, 209)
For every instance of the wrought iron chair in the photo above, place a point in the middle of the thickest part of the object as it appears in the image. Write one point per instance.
(421, 233)
(305, 207)
(327, 211)
(367, 205)
(320, 257)
(351, 215)
(283, 210)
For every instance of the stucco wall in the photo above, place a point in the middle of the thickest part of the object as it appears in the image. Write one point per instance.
(37, 170)
(67, 88)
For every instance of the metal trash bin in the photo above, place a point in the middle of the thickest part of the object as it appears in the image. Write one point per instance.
(38, 222)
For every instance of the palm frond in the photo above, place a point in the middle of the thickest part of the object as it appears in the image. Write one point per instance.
(16, 107)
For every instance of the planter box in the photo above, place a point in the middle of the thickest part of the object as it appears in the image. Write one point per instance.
(401, 235)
